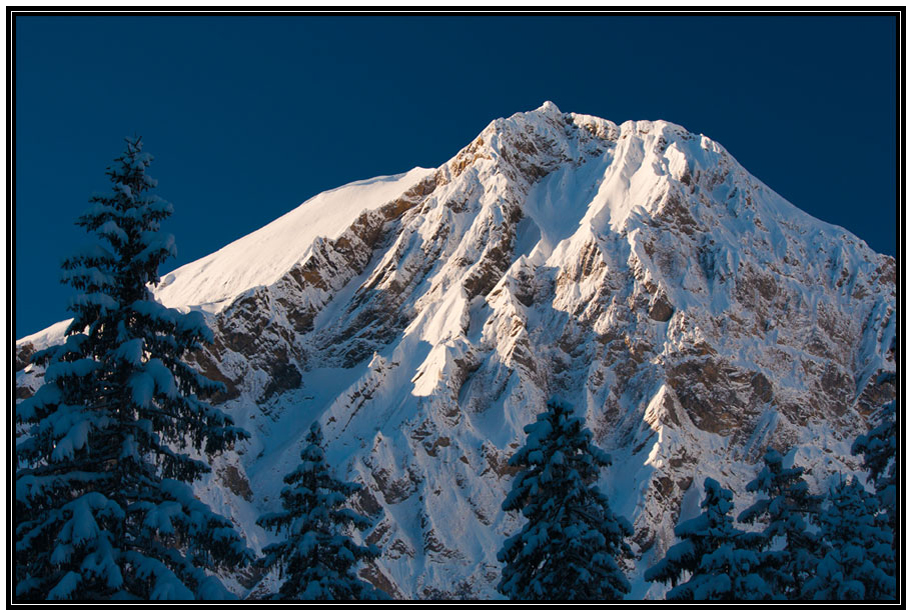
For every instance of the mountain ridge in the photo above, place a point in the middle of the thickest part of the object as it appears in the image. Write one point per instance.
(165, 290)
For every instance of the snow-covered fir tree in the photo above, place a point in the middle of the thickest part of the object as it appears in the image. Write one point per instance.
(103, 505)
(317, 561)
(572, 541)
(878, 446)
(722, 560)
(784, 507)
(859, 557)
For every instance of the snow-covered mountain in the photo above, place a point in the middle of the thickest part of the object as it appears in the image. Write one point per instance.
(637, 270)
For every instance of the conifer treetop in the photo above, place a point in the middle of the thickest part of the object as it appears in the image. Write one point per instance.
(859, 562)
(720, 559)
(115, 432)
(572, 542)
(316, 559)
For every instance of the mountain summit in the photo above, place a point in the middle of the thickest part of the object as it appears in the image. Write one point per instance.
(687, 311)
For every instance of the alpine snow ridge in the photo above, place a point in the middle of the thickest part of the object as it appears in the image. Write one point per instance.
(691, 314)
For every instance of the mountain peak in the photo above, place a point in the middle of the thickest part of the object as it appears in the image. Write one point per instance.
(549, 108)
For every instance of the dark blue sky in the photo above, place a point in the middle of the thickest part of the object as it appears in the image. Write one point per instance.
(249, 116)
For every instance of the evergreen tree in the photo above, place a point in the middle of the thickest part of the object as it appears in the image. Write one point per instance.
(859, 560)
(571, 543)
(878, 447)
(785, 507)
(720, 559)
(316, 560)
(103, 509)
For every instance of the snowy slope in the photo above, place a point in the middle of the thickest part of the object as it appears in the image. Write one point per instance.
(260, 258)
(637, 270)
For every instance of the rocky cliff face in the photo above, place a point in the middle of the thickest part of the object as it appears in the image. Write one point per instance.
(692, 315)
